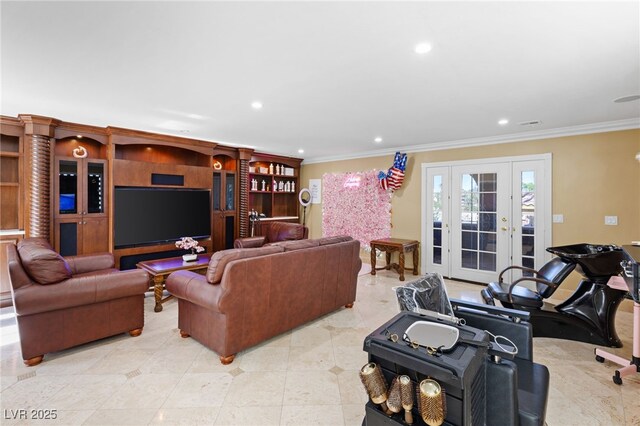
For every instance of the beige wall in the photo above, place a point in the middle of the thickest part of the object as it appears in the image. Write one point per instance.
(593, 175)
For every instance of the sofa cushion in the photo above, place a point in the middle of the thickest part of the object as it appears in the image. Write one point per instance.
(42, 264)
(282, 231)
(220, 259)
(295, 245)
(334, 240)
(34, 241)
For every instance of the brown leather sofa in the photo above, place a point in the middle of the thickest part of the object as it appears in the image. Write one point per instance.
(272, 232)
(64, 302)
(251, 295)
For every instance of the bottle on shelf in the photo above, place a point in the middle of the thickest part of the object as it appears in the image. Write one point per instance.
(263, 184)
(277, 169)
(271, 168)
(293, 186)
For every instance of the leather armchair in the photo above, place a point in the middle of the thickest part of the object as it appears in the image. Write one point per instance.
(64, 302)
(272, 232)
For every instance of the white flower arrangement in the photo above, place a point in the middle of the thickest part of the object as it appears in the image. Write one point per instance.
(188, 243)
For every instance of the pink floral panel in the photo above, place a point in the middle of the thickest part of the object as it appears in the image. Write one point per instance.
(354, 204)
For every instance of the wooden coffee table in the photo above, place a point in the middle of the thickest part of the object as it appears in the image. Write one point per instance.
(161, 268)
(389, 245)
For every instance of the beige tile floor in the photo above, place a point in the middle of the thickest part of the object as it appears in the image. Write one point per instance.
(308, 376)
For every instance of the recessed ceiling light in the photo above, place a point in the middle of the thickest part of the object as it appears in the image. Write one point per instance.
(256, 105)
(301, 151)
(378, 140)
(183, 131)
(503, 122)
(79, 136)
(423, 48)
(627, 99)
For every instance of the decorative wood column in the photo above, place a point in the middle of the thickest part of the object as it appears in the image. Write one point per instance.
(39, 143)
(243, 210)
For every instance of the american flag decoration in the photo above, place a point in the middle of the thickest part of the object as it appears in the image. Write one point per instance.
(393, 178)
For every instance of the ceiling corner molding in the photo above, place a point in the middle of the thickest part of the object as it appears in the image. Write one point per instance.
(607, 126)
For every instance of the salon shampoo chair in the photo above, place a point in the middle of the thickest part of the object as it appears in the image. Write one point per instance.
(519, 387)
(547, 280)
(588, 315)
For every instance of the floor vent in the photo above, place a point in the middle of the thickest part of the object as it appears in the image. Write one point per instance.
(26, 376)
(134, 373)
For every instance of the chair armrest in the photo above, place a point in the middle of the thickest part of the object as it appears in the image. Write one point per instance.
(534, 279)
(195, 288)
(249, 242)
(514, 314)
(522, 268)
(90, 262)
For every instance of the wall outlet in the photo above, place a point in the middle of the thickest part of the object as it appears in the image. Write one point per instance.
(611, 220)
(558, 218)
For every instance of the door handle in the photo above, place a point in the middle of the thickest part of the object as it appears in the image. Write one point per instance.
(504, 228)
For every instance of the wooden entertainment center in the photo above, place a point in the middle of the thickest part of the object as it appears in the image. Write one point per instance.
(58, 179)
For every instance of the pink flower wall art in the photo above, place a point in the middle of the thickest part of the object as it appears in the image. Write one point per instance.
(354, 204)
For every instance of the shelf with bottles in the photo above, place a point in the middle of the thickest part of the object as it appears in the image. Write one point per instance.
(275, 185)
(263, 168)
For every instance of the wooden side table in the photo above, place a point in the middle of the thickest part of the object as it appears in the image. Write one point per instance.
(161, 268)
(389, 245)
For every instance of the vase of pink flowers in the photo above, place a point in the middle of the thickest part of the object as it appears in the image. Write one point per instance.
(188, 243)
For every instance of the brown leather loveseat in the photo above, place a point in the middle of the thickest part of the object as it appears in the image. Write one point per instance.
(272, 232)
(63, 302)
(251, 295)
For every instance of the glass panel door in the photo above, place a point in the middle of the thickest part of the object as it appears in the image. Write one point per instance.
(480, 217)
(217, 189)
(528, 210)
(95, 187)
(435, 254)
(230, 192)
(68, 187)
(480, 237)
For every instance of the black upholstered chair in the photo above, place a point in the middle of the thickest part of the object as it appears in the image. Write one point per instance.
(514, 295)
(520, 386)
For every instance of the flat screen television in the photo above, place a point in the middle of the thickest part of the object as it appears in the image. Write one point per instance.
(144, 216)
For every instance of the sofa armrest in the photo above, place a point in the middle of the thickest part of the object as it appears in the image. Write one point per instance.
(194, 287)
(80, 291)
(90, 262)
(121, 284)
(249, 242)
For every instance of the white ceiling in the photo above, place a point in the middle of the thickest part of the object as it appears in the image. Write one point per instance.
(332, 76)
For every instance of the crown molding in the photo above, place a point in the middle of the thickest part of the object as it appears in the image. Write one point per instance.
(608, 126)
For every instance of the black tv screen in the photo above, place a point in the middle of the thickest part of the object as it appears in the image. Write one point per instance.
(155, 215)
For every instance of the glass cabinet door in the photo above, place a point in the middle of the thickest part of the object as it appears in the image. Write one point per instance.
(217, 189)
(95, 188)
(68, 187)
(230, 191)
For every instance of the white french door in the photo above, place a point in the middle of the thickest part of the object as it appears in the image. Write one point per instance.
(481, 216)
(437, 208)
(479, 220)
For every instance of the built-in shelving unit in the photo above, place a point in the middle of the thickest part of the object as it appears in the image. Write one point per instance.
(83, 171)
(274, 185)
(10, 181)
(11, 188)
